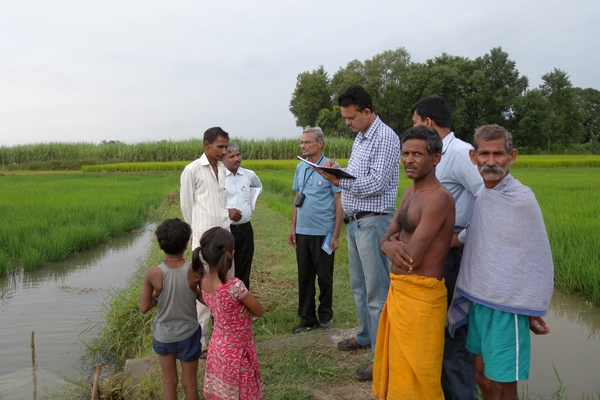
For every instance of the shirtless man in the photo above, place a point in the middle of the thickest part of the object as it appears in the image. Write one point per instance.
(410, 341)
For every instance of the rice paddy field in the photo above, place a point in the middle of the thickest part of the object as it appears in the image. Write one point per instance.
(47, 217)
(570, 203)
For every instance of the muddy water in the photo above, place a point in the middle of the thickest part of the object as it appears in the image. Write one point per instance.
(572, 347)
(58, 301)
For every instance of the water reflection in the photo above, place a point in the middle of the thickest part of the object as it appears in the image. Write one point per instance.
(572, 348)
(577, 310)
(56, 301)
(57, 271)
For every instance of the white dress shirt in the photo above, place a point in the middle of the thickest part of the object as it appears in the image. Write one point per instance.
(239, 193)
(203, 199)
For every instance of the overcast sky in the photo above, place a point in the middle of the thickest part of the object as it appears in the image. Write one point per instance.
(85, 71)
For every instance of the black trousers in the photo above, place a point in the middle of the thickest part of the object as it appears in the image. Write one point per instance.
(244, 251)
(458, 379)
(314, 263)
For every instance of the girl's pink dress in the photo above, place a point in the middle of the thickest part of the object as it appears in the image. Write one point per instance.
(232, 368)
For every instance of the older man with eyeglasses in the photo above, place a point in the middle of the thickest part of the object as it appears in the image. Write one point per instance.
(317, 217)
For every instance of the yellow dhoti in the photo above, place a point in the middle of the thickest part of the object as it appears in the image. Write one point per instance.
(410, 340)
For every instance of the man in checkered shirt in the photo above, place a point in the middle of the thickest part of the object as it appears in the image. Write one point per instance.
(369, 203)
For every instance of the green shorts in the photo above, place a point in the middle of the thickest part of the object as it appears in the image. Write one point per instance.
(502, 339)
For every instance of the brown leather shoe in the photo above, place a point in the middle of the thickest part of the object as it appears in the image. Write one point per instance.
(349, 345)
(365, 374)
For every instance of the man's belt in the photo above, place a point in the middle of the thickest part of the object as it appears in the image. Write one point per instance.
(239, 226)
(359, 215)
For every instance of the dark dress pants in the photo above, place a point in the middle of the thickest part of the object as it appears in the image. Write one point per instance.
(458, 379)
(244, 251)
(313, 263)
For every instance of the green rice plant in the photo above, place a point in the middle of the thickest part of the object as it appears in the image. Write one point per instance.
(47, 217)
(570, 203)
(526, 161)
(3, 265)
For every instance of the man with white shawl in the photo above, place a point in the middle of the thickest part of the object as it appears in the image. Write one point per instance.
(506, 276)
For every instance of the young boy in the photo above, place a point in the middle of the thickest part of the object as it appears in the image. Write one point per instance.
(173, 285)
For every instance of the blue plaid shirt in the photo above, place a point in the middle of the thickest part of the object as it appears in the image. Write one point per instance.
(375, 162)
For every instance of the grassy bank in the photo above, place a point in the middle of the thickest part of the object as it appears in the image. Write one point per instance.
(304, 371)
(290, 372)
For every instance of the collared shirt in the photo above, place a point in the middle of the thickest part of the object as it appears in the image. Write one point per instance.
(460, 176)
(239, 193)
(203, 199)
(316, 216)
(375, 162)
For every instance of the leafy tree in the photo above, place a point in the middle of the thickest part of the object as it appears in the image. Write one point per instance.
(332, 123)
(532, 130)
(589, 103)
(497, 86)
(312, 93)
(565, 115)
(446, 76)
(352, 74)
(383, 76)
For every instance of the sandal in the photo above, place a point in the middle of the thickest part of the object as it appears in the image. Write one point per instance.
(204, 354)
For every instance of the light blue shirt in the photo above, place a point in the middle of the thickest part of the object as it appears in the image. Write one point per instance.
(460, 176)
(316, 216)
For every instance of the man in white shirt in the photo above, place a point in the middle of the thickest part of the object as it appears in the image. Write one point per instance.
(241, 187)
(203, 200)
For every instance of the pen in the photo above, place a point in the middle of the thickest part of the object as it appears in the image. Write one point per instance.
(334, 158)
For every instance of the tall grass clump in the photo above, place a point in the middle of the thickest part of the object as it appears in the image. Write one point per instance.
(47, 217)
(56, 156)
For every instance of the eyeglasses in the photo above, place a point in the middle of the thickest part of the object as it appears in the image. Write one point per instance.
(307, 142)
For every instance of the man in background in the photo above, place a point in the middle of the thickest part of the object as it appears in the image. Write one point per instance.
(369, 202)
(456, 172)
(241, 185)
(203, 201)
(317, 213)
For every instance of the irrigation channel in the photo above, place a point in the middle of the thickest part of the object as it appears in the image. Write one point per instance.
(58, 299)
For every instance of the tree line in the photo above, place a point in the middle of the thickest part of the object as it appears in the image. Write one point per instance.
(554, 117)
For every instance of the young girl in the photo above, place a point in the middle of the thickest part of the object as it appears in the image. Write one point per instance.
(173, 285)
(232, 368)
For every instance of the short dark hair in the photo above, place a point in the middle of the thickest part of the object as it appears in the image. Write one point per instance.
(435, 108)
(358, 96)
(172, 235)
(211, 134)
(214, 246)
(493, 132)
(433, 139)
